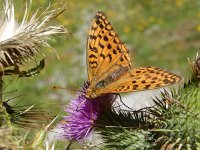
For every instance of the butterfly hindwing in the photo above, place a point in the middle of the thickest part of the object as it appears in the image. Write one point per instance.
(109, 64)
(143, 78)
(105, 50)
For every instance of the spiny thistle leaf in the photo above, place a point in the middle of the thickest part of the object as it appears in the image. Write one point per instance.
(20, 42)
(126, 139)
(126, 119)
(173, 122)
(124, 130)
(178, 125)
(33, 71)
(25, 73)
(40, 136)
(29, 117)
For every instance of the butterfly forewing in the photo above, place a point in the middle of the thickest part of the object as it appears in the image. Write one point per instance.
(143, 78)
(106, 53)
(109, 64)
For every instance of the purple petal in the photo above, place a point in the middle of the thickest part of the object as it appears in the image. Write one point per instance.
(82, 115)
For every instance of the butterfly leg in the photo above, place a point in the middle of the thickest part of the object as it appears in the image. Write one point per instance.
(123, 102)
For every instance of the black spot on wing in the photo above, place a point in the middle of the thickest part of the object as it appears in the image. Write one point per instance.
(134, 81)
(105, 38)
(101, 45)
(92, 56)
(93, 64)
(114, 51)
(103, 56)
(135, 87)
(110, 57)
(109, 46)
(94, 49)
(147, 86)
(92, 37)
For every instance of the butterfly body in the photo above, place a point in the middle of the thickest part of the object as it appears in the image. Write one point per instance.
(109, 64)
(97, 88)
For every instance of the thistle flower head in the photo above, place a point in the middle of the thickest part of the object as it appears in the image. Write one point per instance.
(21, 40)
(83, 114)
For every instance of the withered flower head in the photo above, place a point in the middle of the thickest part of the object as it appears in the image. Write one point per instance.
(20, 41)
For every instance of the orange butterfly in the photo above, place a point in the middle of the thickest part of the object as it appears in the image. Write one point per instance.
(109, 64)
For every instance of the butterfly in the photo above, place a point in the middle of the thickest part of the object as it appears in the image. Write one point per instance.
(109, 64)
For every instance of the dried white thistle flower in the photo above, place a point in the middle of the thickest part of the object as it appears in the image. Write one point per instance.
(21, 41)
(195, 65)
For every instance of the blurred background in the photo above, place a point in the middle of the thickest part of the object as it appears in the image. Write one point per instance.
(162, 33)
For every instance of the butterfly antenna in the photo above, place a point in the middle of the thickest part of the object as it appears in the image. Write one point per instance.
(123, 102)
(58, 87)
(68, 89)
(116, 105)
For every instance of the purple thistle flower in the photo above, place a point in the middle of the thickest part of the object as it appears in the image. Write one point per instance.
(83, 114)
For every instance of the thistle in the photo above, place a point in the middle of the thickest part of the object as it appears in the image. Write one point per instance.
(83, 114)
(177, 126)
(29, 117)
(21, 41)
(171, 123)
